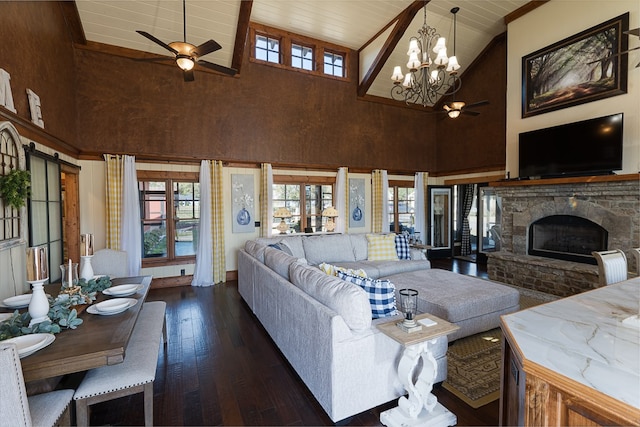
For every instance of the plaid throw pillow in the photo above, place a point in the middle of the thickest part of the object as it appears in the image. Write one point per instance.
(381, 293)
(381, 247)
(402, 247)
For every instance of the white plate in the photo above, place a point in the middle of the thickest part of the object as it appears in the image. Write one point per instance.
(112, 305)
(131, 302)
(29, 344)
(122, 290)
(19, 301)
(5, 316)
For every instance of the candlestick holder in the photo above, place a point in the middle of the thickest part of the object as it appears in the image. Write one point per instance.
(39, 304)
(86, 269)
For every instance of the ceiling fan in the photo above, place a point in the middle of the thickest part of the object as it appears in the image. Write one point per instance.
(455, 108)
(187, 55)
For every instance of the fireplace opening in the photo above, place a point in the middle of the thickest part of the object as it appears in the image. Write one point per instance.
(567, 237)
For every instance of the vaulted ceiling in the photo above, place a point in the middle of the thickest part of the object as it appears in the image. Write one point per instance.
(355, 24)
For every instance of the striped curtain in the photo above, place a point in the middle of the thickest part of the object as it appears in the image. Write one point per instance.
(217, 223)
(342, 200)
(266, 199)
(114, 182)
(379, 201)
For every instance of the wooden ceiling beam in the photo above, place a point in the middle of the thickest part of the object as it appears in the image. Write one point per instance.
(241, 34)
(402, 22)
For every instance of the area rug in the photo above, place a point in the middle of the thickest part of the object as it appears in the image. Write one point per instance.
(474, 362)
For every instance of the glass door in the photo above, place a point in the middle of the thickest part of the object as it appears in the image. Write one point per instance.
(440, 221)
(490, 218)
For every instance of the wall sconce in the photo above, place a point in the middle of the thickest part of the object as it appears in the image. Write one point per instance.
(282, 213)
(409, 306)
(330, 213)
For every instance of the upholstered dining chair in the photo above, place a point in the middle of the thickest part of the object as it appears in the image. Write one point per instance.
(110, 262)
(636, 255)
(16, 409)
(612, 266)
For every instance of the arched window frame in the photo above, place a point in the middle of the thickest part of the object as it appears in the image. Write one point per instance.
(11, 156)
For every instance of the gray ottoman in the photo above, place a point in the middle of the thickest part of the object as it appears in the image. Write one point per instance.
(471, 303)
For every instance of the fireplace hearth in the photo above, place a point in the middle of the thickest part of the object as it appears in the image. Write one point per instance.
(567, 237)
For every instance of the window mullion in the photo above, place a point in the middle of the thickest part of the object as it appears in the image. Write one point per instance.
(171, 211)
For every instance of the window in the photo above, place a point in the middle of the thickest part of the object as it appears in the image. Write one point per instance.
(402, 204)
(170, 212)
(333, 64)
(282, 49)
(267, 48)
(305, 201)
(301, 57)
(10, 221)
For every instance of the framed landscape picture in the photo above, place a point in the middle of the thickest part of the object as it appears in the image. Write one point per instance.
(588, 66)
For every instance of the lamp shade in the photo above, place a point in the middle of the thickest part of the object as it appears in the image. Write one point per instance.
(330, 212)
(185, 62)
(397, 74)
(453, 64)
(282, 213)
(442, 57)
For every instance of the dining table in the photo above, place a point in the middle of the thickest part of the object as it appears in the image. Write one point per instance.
(98, 341)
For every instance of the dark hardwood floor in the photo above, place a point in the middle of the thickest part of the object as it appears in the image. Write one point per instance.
(221, 368)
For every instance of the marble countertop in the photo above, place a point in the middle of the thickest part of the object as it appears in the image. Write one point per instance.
(592, 338)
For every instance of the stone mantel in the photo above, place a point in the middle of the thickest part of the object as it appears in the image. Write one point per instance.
(558, 181)
(611, 201)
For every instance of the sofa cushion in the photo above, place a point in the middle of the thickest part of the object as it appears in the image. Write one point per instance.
(255, 249)
(329, 248)
(346, 299)
(294, 244)
(281, 247)
(382, 247)
(278, 261)
(332, 270)
(402, 247)
(381, 293)
(359, 243)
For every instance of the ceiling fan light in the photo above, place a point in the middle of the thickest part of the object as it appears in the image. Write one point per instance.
(185, 63)
(453, 113)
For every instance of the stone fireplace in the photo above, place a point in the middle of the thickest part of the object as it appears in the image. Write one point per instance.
(549, 230)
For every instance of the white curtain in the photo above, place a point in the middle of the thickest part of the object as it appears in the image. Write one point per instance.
(131, 239)
(385, 202)
(341, 201)
(203, 274)
(420, 208)
(266, 198)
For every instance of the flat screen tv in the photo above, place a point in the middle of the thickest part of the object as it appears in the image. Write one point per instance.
(589, 147)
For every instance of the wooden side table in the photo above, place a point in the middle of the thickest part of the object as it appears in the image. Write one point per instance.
(421, 407)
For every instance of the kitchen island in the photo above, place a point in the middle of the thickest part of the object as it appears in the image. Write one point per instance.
(574, 361)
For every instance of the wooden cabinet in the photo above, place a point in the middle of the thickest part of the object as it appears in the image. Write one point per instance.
(532, 395)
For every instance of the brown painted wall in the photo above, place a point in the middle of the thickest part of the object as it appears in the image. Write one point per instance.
(36, 50)
(264, 115)
(478, 142)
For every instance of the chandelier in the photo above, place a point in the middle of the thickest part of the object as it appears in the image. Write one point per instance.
(427, 80)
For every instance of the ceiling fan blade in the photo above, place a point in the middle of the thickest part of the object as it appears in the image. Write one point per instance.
(155, 59)
(470, 113)
(476, 104)
(157, 41)
(188, 76)
(216, 67)
(206, 47)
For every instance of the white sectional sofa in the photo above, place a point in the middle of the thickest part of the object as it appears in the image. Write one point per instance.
(323, 325)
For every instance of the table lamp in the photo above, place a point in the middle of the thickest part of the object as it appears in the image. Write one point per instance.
(330, 213)
(409, 306)
(282, 213)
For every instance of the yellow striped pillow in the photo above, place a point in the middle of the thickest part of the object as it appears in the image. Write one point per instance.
(382, 247)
